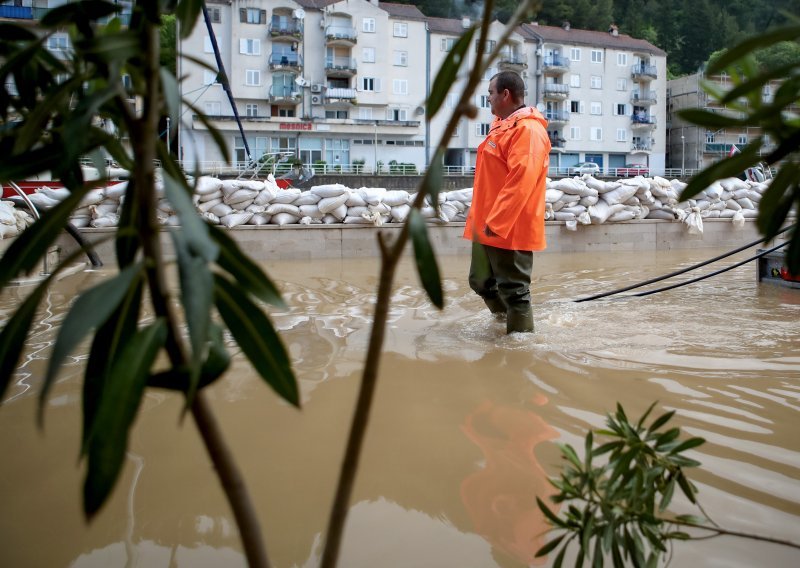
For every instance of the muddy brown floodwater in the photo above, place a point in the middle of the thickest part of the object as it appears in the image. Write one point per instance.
(463, 434)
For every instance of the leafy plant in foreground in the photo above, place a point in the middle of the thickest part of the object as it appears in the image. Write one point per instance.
(617, 509)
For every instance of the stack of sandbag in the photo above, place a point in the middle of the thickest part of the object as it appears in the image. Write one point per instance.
(13, 220)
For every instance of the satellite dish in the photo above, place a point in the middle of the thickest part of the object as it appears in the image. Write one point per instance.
(299, 14)
(540, 107)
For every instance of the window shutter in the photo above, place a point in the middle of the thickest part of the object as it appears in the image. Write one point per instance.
(262, 16)
(242, 14)
(242, 45)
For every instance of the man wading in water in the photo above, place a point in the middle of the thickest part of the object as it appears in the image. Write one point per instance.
(506, 218)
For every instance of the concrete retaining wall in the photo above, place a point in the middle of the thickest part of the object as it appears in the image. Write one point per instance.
(407, 183)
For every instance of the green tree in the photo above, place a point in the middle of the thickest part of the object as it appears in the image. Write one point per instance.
(168, 57)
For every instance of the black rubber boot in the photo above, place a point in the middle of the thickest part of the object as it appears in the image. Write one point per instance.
(521, 322)
(495, 305)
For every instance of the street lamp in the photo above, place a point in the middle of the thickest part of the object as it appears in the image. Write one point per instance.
(683, 156)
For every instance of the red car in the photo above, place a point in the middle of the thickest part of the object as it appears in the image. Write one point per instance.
(630, 170)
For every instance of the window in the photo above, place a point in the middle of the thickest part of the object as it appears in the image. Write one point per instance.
(575, 80)
(622, 84)
(596, 107)
(622, 135)
(709, 137)
(621, 109)
(213, 108)
(457, 130)
(209, 77)
(595, 133)
(622, 59)
(482, 128)
(401, 58)
(400, 29)
(398, 114)
(57, 43)
(400, 86)
(575, 106)
(483, 101)
(207, 47)
(252, 77)
(368, 55)
(368, 25)
(597, 82)
(488, 46)
(597, 56)
(742, 139)
(448, 43)
(250, 46)
(452, 100)
(252, 15)
(370, 84)
(365, 113)
(214, 15)
(335, 114)
(575, 54)
(574, 132)
(286, 112)
(251, 109)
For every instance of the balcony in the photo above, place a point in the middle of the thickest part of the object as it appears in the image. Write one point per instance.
(291, 31)
(340, 35)
(641, 147)
(558, 143)
(555, 65)
(284, 94)
(511, 62)
(643, 121)
(555, 91)
(717, 148)
(285, 61)
(556, 116)
(642, 97)
(643, 72)
(340, 66)
(339, 94)
(16, 12)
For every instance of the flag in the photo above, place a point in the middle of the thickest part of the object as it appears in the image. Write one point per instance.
(734, 150)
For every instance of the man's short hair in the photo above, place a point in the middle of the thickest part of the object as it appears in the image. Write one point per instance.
(511, 81)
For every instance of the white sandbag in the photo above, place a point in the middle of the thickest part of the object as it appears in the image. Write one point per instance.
(287, 195)
(234, 219)
(745, 203)
(571, 225)
(252, 208)
(575, 210)
(428, 212)
(210, 218)
(266, 195)
(356, 211)
(328, 204)
(206, 197)
(259, 219)
(738, 220)
(251, 184)
(355, 199)
(740, 193)
(244, 206)
(729, 213)
(173, 221)
(239, 196)
(310, 211)
(574, 187)
(109, 220)
(291, 209)
(7, 216)
(660, 182)
(702, 204)
(462, 195)
(399, 197)
(207, 184)
(661, 214)
(309, 221)
(588, 200)
(104, 208)
(372, 195)
(619, 195)
(711, 214)
(562, 216)
(695, 223)
(553, 195)
(714, 191)
(229, 186)
(749, 213)
(8, 231)
(57, 193)
(340, 212)
(221, 210)
(24, 219)
(620, 216)
(732, 184)
(356, 220)
(330, 190)
(381, 208)
(400, 213)
(206, 206)
(81, 221)
(754, 196)
(447, 212)
(329, 219)
(284, 219)
(40, 200)
(600, 212)
(306, 198)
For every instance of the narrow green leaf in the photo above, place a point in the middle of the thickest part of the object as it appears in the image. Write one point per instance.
(644, 416)
(587, 456)
(559, 561)
(247, 273)
(569, 453)
(216, 135)
(255, 335)
(722, 119)
(24, 252)
(480, 261)
(195, 230)
(427, 268)
(688, 445)
(109, 48)
(666, 498)
(90, 310)
(756, 84)
(660, 421)
(605, 448)
(693, 519)
(768, 221)
(686, 487)
(70, 12)
(110, 339)
(448, 71)
(751, 44)
(550, 546)
(551, 517)
(187, 12)
(172, 95)
(127, 241)
(728, 167)
(119, 404)
(432, 181)
(597, 560)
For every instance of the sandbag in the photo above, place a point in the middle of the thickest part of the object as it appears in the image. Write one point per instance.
(328, 204)
(235, 219)
(330, 190)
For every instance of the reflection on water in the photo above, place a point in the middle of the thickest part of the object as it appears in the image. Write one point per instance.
(462, 435)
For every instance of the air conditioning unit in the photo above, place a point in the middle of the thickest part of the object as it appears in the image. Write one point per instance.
(316, 99)
(316, 88)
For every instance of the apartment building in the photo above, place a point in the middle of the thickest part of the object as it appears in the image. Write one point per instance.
(693, 147)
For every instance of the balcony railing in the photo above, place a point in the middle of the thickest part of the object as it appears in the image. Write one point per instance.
(558, 142)
(559, 90)
(512, 60)
(346, 64)
(292, 60)
(340, 94)
(643, 120)
(286, 29)
(643, 97)
(555, 62)
(346, 33)
(556, 115)
(284, 92)
(717, 148)
(641, 147)
(644, 71)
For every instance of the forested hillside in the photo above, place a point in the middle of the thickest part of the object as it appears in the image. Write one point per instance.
(688, 30)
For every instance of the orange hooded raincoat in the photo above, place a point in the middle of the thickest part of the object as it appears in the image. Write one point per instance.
(509, 187)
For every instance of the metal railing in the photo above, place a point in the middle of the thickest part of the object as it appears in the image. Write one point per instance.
(555, 61)
(285, 60)
(643, 70)
(559, 89)
(512, 59)
(284, 92)
(638, 96)
(341, 32)
(340, 93)
(285, 29)
(556, 115)
(340, 64)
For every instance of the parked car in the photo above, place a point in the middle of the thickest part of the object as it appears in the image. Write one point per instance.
(584, 168)
(630, 170)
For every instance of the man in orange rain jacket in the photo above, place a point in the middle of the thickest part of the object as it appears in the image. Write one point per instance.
(506, 218)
